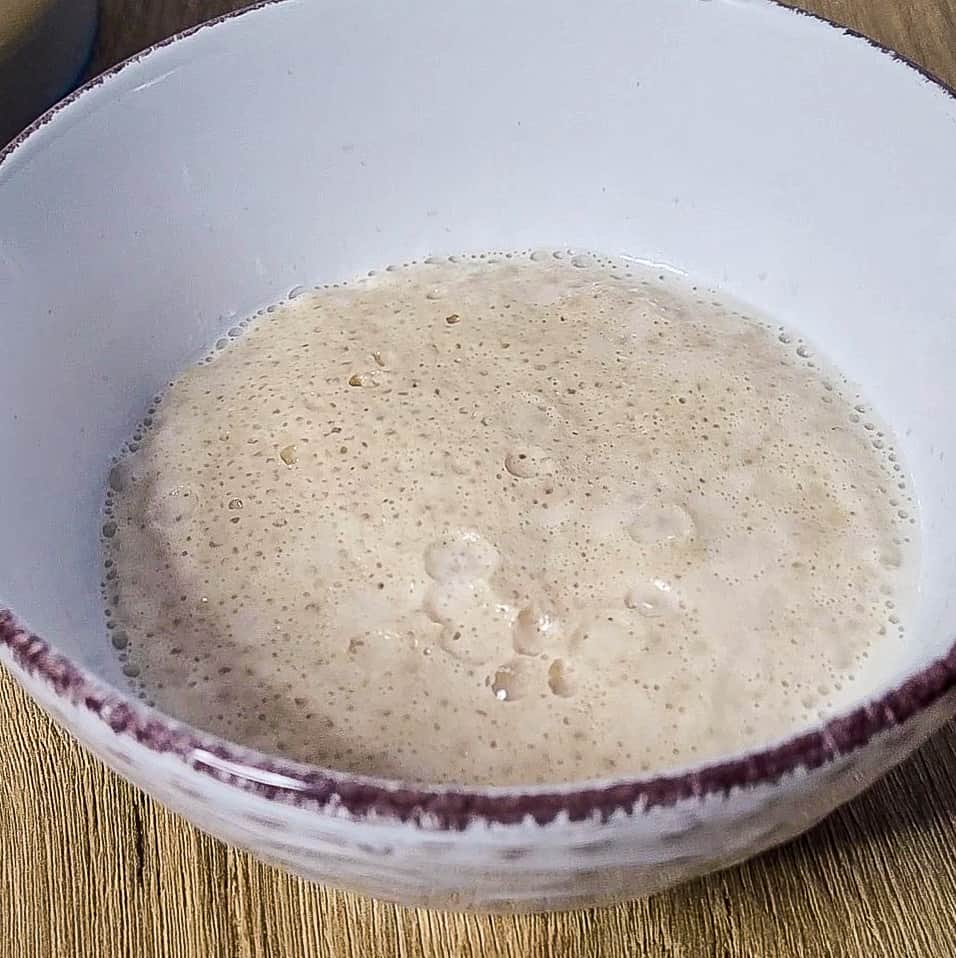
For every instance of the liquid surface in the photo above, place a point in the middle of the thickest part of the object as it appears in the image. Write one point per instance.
(517, 519)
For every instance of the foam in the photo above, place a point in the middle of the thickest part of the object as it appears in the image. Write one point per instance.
(513, 518)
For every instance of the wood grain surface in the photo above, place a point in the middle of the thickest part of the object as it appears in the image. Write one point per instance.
(91, 867)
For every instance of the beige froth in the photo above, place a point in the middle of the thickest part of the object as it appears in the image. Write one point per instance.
(519, 521)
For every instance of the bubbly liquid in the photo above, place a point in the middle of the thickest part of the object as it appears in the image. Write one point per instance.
(508, 519)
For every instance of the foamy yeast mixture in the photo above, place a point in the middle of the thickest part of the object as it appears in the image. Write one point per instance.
(512, 519)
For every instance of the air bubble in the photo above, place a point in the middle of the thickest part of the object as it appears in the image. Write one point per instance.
(461, 556)
(118, 477)
(652, 599)
(561, 679)
(662, 523)
(535, 630)
(528, 462)
(514, 681)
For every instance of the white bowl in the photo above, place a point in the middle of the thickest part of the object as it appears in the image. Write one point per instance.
(767, 152)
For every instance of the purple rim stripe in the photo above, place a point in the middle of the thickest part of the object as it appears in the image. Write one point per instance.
(455, 808)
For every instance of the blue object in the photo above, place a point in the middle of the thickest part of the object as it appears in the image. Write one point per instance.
(45, 63)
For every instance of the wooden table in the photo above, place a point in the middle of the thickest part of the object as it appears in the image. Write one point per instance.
(90, 866)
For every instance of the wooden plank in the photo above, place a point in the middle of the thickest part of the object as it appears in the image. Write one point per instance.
(89, 866)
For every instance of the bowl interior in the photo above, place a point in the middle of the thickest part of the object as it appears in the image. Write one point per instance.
(760, 150)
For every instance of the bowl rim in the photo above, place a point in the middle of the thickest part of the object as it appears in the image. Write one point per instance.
(453, 807)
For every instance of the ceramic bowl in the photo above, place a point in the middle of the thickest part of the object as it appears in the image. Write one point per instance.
(766, 152)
